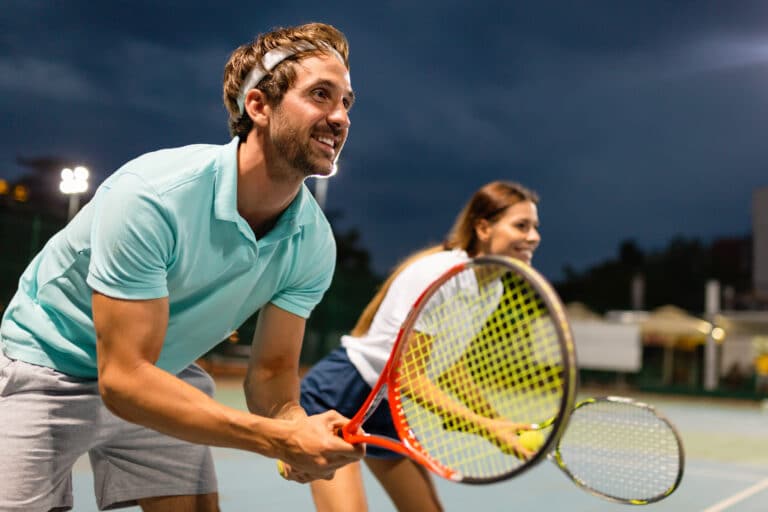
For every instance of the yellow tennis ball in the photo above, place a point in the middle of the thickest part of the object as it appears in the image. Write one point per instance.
(281, 468)
(532, 440)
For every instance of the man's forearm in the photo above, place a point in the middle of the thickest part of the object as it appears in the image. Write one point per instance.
(156, 399)
(273, 394)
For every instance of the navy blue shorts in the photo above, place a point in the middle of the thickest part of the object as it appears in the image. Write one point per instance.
(335, 383)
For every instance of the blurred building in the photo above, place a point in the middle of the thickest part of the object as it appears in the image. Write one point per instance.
(760, 242)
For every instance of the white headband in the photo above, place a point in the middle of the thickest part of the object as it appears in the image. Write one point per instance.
(271, 59)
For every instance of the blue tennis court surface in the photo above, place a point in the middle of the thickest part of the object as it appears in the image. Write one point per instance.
(726, 447)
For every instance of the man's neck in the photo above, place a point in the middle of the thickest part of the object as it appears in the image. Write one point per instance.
(260, 197)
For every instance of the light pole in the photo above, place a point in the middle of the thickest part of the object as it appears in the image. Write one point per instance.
(74, 183)
(321, 191)
(321, 185)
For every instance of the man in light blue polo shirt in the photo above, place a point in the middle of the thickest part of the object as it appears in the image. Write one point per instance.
(176, 249)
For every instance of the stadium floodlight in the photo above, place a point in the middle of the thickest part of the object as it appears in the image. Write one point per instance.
(74, 183)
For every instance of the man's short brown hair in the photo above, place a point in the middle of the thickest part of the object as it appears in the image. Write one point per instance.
(282, 77)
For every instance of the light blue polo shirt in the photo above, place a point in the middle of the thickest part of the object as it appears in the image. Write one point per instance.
(166, 224)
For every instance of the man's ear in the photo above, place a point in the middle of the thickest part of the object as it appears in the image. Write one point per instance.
(257, 108)
(483, 230)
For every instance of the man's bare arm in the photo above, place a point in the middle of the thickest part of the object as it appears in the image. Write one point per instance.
(130, 335)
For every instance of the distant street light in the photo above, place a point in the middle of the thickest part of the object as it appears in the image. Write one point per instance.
(74, 183)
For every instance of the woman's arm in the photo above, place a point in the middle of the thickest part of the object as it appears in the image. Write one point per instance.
(479, 417)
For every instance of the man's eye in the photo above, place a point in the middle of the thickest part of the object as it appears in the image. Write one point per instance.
(320, 94)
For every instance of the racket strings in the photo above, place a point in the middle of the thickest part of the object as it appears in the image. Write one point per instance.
(621, 451)
(490, 348)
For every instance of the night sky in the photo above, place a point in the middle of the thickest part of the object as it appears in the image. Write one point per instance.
(632, 119)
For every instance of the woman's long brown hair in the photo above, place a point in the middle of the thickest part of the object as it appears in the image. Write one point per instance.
(489, 203)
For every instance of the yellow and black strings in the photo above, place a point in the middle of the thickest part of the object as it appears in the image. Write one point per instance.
(491, 348)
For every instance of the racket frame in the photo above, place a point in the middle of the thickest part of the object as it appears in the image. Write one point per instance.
(556, 457)
(407, 445)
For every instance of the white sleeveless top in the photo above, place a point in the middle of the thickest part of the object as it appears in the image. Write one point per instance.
(370, 352)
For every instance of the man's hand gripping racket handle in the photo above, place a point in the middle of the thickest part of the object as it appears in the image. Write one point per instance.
(314, 451)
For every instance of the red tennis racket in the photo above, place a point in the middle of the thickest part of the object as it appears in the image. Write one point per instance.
(484, 354)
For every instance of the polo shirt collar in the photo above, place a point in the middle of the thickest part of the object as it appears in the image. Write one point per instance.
(299, 213)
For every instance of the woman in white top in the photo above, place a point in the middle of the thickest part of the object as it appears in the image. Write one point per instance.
(501, 218)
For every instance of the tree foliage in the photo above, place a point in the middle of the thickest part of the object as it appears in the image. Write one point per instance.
(676, 274)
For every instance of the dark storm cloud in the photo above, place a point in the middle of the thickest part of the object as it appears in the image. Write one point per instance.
(632, 120)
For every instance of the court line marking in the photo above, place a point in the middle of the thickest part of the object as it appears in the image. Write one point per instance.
(746, 493)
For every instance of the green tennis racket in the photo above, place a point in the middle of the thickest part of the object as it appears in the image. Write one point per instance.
(621, 450)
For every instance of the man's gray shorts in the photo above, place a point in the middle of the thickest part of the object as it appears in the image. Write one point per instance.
(49, 419)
